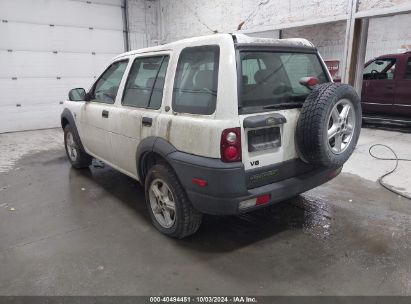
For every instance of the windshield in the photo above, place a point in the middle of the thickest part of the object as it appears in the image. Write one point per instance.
(271, 79)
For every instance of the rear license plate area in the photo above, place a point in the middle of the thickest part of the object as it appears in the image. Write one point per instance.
(264, 139)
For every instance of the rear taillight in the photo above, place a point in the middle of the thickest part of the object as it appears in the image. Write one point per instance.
(256, 201)
(263, 199)
(230, 145)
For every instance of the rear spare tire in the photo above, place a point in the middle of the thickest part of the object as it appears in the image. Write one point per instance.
(329, 125)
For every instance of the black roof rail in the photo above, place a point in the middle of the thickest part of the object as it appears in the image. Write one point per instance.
(234, 38)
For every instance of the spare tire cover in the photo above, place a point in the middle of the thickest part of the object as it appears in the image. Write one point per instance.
(329, 125)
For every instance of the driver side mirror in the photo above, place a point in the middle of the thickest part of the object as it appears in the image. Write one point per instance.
(78, 94)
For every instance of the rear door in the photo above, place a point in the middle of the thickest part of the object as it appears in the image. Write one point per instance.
(95, 115)
(402, 101)
(270, 101)
(136, 116)
(377, 94)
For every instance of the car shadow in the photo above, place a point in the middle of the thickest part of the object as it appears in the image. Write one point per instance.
(227, 233)
(217, 233)
(122, 187)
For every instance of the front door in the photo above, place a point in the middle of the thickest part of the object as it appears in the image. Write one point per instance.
(95, 114)
(402, 103)
(378, 89)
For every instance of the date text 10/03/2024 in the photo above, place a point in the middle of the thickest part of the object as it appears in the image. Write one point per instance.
(203, 299)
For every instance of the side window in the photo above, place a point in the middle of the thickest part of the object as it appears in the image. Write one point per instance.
(145, 83)
(380, 69)
(408, 69)
(196, 80)
(157, 95)
(106, 88)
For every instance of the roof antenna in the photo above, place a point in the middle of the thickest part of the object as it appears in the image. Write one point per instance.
(240, 26)
(253, 13)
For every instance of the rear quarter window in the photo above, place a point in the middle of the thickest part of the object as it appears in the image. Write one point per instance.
(196, 80)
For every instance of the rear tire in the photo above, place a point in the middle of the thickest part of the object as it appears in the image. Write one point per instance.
(170, 209)
(78, 158)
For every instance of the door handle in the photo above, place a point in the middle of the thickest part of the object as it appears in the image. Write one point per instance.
(104, 114)
(390, 87)
(147, 121)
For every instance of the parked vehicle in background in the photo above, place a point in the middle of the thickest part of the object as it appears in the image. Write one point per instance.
(386, 86)
(220, 124)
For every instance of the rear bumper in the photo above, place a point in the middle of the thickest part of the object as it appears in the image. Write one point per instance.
(279, 191)
(226, 184)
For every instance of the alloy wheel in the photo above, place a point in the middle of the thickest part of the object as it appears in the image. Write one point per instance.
(71, 146)
(341, 126)
(162, 203)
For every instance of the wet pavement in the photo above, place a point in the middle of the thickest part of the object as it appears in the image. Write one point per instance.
(87, 232)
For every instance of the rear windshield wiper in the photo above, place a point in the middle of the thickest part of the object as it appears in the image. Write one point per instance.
(284, 105)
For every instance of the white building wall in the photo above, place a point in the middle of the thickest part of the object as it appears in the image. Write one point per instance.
(329, 39)
(388, 35)
(364, 5)
(144, 23)
(277, 12)
(183, 18)
(187, 18)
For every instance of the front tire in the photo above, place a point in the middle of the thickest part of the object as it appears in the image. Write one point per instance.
(170, 209)
(76, 156)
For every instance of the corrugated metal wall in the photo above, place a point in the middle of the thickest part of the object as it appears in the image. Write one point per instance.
(47, 48)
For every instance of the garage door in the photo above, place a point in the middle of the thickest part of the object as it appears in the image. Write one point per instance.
(48, 47)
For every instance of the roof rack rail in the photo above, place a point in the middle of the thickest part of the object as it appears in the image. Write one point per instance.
(234, 38)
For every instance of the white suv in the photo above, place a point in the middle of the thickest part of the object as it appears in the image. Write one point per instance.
(220, 124)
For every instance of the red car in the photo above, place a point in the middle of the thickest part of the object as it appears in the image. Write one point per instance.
(386, 87)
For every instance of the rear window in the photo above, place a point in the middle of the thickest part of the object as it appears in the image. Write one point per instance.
(196, 80)
(271, 79)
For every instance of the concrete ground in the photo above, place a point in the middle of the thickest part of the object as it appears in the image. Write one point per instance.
(69, 232)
